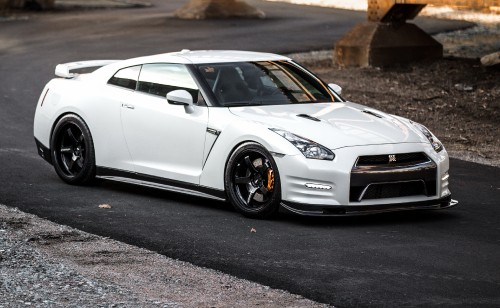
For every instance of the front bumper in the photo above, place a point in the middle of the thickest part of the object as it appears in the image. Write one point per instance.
(338, 187)
(346, 210)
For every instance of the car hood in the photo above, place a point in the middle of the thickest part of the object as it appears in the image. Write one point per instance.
(334, 125)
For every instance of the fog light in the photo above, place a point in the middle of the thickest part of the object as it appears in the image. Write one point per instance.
(444, 184)
(318, 186)
(445, 177)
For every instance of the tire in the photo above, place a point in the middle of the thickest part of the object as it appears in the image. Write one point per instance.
(72, 151)
(252, 181)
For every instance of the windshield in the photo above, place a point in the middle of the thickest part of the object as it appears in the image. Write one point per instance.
(263, 83)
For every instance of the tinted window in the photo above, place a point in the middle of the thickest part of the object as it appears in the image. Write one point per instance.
(263, 83)
(159, 79)
(126, 77)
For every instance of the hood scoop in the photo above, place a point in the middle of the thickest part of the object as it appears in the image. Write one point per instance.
(306, 116)
(372, 113)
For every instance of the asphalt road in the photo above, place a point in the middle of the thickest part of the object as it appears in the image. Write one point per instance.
(427, 258)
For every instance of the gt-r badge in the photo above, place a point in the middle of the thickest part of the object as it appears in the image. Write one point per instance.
(392, 158)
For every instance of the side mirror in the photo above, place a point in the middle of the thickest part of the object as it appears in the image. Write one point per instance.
(336, 88)
(180, 97)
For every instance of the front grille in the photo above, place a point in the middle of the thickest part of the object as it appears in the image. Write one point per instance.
(402, 158)
(393, 190)
(374, 177)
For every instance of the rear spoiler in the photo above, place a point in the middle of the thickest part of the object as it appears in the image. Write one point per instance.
(63, 70)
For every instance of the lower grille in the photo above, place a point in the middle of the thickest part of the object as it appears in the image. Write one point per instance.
(393, 190)
(375, 180)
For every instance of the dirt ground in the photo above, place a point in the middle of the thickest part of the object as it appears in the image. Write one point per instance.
(456, 98)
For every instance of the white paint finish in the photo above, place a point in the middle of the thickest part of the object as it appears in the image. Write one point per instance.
(341, 125)
(63, 70)
(164, 140)
(143, 133)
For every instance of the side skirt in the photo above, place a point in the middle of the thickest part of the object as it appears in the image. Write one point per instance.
(159, 183)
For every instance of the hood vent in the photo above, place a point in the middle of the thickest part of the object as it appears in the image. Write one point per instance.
(306, 116)
(375, 114)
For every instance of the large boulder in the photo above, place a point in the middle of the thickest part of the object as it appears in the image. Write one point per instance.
(214, 9)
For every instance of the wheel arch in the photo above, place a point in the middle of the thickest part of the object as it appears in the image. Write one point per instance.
(231, 152)
(270, 204)
(54, 123)
(232, 137)
(86, 173)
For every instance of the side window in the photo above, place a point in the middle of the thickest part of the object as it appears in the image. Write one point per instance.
(126, 77)
(159, 79)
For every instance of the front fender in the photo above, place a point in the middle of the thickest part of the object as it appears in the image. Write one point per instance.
(233, 132)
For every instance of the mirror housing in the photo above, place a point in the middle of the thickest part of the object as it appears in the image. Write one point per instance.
(336, 88)
(180, 97)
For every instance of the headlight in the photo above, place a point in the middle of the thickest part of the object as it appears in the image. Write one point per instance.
(436, 144)
(309, 148)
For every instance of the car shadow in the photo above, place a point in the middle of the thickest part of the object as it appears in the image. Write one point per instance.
(163, 195)
(392, 218)
(379, 219)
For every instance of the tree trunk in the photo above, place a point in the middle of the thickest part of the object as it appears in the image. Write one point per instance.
(215, 9)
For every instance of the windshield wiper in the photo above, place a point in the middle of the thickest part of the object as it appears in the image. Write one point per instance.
(244, 104)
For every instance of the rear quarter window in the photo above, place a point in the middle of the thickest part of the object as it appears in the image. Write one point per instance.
(126, 77)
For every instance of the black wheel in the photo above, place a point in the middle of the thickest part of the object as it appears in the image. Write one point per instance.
(252, 181)
(72, 151)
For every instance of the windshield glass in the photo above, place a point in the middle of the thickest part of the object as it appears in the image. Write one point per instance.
(263, 83)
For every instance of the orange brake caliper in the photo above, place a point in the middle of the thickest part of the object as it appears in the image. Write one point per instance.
(270, 179)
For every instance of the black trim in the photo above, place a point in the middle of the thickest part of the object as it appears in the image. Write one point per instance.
(104, 171)
(216, 133)
(352, 210)
(392, 173)
(203, 86)
(43, 151)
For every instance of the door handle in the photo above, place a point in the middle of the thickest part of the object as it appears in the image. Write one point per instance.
(128, 106)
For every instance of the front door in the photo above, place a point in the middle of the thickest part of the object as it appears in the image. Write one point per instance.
(165, 140)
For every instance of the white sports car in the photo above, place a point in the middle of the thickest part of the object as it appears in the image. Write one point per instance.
(255, 129)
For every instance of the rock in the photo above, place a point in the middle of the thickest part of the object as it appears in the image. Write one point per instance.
(464, 87)
(218, 9)
(491, 59)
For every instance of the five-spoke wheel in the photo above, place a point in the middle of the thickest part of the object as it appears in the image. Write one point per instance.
(252, 181)
(72, 150)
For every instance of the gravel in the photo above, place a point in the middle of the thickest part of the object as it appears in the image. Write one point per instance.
(44, 264)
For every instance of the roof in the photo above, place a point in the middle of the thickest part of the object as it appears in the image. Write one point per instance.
(190, 57)
(209, 56)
